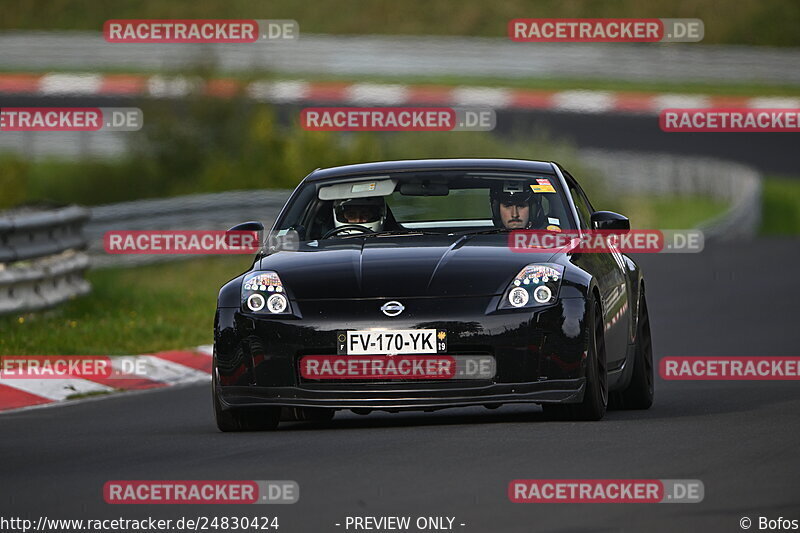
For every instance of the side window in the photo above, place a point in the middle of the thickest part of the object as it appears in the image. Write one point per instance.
(581, 204)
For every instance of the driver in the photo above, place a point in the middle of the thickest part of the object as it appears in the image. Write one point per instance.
(368, 212)
(514, 207)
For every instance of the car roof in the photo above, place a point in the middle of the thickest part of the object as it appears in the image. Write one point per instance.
(380, 167)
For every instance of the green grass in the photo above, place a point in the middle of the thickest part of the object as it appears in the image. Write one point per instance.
(764, 22)
(666, 212)
(130, 311)
(780, 207)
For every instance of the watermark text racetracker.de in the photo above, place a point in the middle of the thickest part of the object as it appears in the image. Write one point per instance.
(397, 119)
(730, 120)
(733, 368)
(181, 242)
(199, 31)
(200, 492)
(336, 367)
(606, 491)
(61, 367)
(92, 367)
(606, 30)
(71, 119)
(607, 241)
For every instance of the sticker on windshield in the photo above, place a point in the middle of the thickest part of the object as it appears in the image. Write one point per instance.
(363, 187)
(542, 185)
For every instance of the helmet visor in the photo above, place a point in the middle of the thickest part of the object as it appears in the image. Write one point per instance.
(359, 212)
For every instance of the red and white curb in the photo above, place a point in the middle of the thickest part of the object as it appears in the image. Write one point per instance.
(163, 369)
(377, 94)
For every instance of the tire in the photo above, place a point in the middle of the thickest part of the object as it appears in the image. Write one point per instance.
(639, 393)
(307, 414)
(243, 418)
(595, 396)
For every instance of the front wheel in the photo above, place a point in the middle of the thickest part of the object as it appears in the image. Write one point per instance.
(243, 418)
(639, 393)
(307, 414)
(595, 396)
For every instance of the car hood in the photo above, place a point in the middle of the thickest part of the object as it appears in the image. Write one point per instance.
(400, 266)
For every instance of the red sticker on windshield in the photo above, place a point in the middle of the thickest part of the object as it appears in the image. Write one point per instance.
(542, 185)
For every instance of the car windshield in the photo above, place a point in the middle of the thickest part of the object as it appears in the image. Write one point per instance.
(426, 202)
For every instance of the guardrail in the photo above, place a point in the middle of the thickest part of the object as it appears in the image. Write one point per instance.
(668, 175)
(218, 211)
(41, 258)
(407, 55)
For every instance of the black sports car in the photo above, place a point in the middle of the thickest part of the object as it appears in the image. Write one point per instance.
(391, 286)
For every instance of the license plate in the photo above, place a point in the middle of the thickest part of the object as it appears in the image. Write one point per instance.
(392, 342)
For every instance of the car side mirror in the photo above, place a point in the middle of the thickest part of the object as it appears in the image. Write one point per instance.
(234, 239)
(248, 226)
(608, 220)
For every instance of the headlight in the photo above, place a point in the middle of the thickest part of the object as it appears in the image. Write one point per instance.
(536, 284)
(262, 292)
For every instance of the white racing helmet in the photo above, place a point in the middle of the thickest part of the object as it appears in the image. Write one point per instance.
(369, 212)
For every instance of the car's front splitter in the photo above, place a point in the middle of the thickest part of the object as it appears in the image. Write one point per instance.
(404, 395)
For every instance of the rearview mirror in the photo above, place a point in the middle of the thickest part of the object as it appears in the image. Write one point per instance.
(608, 220)
(424, 189)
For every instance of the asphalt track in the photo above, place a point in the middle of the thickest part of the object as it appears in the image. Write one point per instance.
(739, 438)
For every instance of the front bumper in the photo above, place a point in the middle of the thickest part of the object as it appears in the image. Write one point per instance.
(539, 353)
(393, 397)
